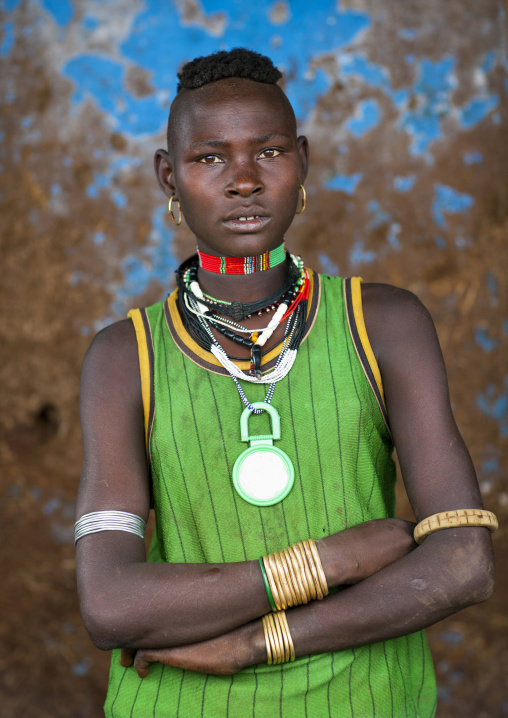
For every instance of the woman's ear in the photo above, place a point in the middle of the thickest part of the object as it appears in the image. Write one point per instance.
(303, 150)
(164, 172)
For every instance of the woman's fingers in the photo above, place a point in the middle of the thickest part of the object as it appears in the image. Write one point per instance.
(127, 657)
(142, 662)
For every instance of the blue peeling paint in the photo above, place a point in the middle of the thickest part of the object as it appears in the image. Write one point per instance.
(101, 181)
(473, 158)
(433, 89)
(61, 10)
(358, 66)
(404, 184)
(8, 39)
(452, 638)
(103, 79)
(444, 693)
(329, 267)
(367, 116)
(99, 237)
(90, 23)
(476, 110)
(155, 262)
(407, 33)
(495, 405)
(306, 34)
(410, 59)
(51, 506)
(358, 255)
(491, 466)
(119, 198)
(489, 61)
(344, 183)
(448, 201)
(486, 342)
(378, 216)
(493, 289)
(393, 236)
(9, 5)
(81, 669)
(401, 98)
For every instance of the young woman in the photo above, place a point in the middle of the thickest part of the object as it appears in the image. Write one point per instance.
(257, 409)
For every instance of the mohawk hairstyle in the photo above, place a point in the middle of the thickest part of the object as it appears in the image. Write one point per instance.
(239, 62)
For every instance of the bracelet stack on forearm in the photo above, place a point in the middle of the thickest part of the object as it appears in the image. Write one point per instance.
(279, 644)
(294, 576)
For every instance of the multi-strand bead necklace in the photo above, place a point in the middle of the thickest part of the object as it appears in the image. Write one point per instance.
(202, 312)
(263, 474)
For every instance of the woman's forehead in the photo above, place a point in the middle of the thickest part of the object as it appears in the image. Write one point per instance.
(231, 108)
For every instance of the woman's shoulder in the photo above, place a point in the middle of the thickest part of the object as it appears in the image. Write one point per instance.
(112, 355)
(395, 318)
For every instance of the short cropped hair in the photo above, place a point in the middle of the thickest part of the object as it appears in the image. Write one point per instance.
(239, 62)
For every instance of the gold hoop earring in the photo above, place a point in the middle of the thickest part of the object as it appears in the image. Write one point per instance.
(171, 212)
(304, 200)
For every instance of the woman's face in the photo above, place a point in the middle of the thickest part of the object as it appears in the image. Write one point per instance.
(236, 165)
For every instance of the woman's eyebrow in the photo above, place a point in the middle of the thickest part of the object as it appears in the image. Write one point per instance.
(253, 140)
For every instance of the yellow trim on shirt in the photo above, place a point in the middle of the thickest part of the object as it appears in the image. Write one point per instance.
(356, 297)
(144, 363)
(208, 356)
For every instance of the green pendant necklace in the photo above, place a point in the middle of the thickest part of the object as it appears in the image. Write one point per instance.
(263, 474)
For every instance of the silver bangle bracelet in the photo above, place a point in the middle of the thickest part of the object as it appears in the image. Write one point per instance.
(109, 521)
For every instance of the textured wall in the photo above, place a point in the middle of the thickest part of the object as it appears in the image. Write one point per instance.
(405, 107)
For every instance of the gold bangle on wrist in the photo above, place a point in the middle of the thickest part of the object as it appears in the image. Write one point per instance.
(294, 576)
(281, 603)
(287, 634)
(319, 567)
(455, 519)
(310, 563)
(285, 556)
(283, 563)
(298, 571)
(279, 644)
(311, 589)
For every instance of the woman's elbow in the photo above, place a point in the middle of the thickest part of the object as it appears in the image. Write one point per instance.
(106, 626)
(474, 569)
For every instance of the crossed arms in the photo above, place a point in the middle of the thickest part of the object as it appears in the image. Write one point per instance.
(206, 617)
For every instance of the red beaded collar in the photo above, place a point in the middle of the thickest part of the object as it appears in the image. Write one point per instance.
(242, 265)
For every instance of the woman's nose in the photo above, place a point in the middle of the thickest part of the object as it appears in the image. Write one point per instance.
(244, 181)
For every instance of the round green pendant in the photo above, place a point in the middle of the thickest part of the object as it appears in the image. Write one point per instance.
(263, 475)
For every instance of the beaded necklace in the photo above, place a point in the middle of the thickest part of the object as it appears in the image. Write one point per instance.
(201, 314)
(243, 265)
(193, 302)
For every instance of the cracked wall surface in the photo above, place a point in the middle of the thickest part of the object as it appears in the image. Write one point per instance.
(405, 107)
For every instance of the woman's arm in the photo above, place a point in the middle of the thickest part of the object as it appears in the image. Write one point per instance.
(451, 569)
(127, 602)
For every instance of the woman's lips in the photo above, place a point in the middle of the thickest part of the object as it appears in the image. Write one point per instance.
(250, 223)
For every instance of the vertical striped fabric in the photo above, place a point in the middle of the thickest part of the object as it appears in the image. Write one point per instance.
(333, 431)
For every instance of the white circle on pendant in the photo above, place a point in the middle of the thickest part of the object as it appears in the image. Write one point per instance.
(263, 475)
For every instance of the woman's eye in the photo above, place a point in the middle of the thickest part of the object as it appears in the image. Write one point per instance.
(269, 154)
(210, 159)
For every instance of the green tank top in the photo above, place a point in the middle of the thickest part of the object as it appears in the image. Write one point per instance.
(334, 429)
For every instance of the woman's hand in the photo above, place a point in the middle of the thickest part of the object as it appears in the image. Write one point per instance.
(221, 656)
(355, 554)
